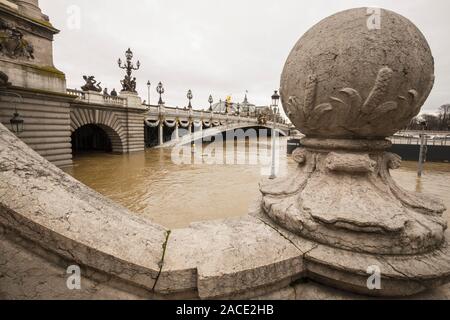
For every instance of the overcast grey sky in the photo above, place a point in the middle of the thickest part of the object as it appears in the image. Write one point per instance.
(222, 47)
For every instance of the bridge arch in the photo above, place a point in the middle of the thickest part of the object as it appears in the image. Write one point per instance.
(218, 128)
(105, 120)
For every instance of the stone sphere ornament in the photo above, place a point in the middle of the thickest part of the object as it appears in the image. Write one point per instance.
(349, 78)
(348, 85)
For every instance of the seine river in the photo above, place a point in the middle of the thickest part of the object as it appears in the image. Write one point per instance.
(174, 194)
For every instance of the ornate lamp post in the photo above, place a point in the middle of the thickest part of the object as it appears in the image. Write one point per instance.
(275, 100)
(128, 83)
(17, 123)
(160, 90)
(211, 101)
(190, 96)
(148, 88)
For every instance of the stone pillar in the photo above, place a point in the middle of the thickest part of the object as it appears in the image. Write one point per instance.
(133, 99)
(177, 134)
(30, 8)
(342, 197)
(161, 132)
(38, 89)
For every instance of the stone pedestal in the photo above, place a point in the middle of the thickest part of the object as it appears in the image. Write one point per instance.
(94, 97)
(38, 89)
(30, 64)
(347, 89)
(134, 101)
(31, 8)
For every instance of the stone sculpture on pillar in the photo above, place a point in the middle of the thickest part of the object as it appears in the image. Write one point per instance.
(91, 84)
(347, 87)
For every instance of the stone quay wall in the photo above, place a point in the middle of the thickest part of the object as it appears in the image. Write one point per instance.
(47, 122)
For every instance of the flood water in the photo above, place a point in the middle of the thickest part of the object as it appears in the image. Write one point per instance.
(174, 195)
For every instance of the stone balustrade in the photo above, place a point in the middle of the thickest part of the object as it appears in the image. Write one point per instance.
(97, 98)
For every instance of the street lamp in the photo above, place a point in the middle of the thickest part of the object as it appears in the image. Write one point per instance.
(16, 123)
(211, 101)
(148, 87)
(128, 83)
(160, 90)
(190, 97)
(275, 101)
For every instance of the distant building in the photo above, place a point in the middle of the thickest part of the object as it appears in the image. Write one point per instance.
(244, 108)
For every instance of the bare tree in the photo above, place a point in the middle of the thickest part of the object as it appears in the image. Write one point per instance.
(432, 121)
(444, 117)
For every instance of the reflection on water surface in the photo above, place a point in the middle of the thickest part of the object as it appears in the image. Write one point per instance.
(150, 184)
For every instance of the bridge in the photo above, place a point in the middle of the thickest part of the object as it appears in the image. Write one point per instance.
(124, 124)
(412, 137)
(195, 124)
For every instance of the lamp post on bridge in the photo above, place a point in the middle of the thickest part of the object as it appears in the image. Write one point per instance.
(148, 88)
(211, 101)
(160, 90)
(129, 83)
(275, 100)
(423, 148)
(190, 96)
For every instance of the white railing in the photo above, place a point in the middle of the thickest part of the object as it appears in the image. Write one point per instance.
(76, 93)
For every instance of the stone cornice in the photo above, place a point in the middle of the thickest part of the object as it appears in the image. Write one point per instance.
(87, 105)
(34, 26)
(40, 94)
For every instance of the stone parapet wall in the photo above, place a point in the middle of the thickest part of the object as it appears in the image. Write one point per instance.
(49, 221)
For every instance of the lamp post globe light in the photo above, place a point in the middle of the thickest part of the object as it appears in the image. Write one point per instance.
(148, 87)
(211, 101)
(16, 123)
(190, 96)
(275, 101)
(160, 90)
(128, 83)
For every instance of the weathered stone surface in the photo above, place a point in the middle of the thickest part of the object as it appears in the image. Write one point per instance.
(344, 79)
(363, 211)
(347, 87)
(400, 275)
(45, 205)
(237, 258)
(25, 275)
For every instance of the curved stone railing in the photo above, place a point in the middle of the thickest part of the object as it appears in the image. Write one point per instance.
(42, 207)
(49, 221)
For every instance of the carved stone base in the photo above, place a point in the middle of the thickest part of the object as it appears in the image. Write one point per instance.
(343, 197)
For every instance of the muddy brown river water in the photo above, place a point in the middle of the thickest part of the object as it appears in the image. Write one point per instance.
(174, 195)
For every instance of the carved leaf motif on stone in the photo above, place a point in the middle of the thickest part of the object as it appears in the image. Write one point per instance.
(349, 111)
